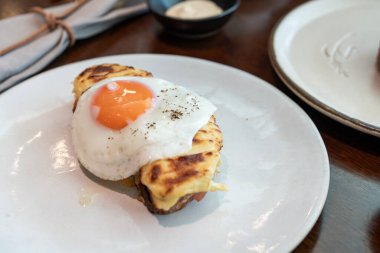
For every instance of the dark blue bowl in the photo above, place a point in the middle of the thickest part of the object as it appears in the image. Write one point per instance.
(197, 28)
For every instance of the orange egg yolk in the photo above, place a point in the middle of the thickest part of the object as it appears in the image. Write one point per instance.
(118, 103)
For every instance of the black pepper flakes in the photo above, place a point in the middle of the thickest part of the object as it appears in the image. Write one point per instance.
(151, 125)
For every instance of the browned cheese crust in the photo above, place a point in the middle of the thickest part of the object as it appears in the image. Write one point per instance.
(171, 173)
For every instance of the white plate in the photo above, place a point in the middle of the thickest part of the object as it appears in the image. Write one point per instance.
(274, 162)
(325, 51)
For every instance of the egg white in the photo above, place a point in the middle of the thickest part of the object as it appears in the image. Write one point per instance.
(165, 130)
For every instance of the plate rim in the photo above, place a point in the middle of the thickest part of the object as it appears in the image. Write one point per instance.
(305, 96)
(298, 236)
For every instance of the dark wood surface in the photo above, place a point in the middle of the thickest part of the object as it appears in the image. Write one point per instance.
(350, 221)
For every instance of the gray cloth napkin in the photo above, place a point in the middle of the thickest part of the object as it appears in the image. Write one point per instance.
(92, 18)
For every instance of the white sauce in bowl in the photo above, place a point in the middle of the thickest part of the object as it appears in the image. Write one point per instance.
(194, 9)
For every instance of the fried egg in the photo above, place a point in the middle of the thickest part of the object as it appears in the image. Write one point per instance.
(122, 123)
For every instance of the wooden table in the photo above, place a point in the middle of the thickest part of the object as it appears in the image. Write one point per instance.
(350, 221)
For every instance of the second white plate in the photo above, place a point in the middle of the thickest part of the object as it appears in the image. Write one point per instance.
(325, 51)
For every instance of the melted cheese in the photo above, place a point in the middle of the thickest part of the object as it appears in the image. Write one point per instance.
(171, 185)
(169, 180)
(167, 203)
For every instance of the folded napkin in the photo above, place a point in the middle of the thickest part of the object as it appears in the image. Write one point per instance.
(88, 19)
